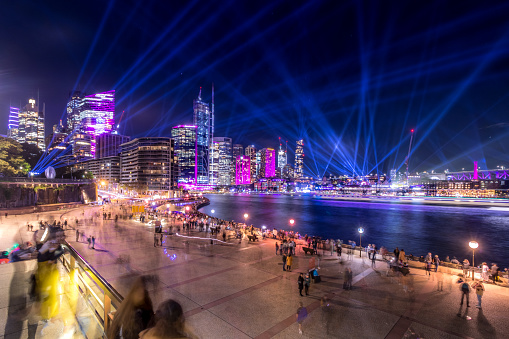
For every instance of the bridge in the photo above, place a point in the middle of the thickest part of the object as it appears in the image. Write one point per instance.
(478, 175)
(39, 181)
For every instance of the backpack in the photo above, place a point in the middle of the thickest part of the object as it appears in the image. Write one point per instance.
(464, 287)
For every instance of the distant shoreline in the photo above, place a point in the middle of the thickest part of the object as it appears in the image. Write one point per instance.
(499, 204)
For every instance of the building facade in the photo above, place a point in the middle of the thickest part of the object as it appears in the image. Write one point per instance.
(31, 125)
(149, 162)
(268, 162)
(222, 164)
(13, 126)
(105, 169)
(237, 149)
(203, 119)
(108, 144)
(251, 153)
(186, 147)
(242, 170)
(299, 159)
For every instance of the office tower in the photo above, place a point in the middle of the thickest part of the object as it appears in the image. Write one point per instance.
(31, 125)
(186, 153)
(204, 121)
(267, 162)
(214, 163)
(57, 140)
(281, 157)
(13, 126)
(88, 117)
(257, 164)
(299, 159)
(108, 144)
(237, 150)
(149, 162)
(242, 170)
(288, 172)
(73, 110)
(222, 164)
(250, 151)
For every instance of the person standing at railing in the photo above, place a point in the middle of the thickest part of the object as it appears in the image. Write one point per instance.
(135, 314)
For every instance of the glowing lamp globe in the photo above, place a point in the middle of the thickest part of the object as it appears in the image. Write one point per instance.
(292, 221)
(213, 211)
(187, 208)
(360, 230)
(473, 245)
(246, 215)
(50, 172)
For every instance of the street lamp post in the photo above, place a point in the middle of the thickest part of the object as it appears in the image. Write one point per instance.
(360, 230)
(245, 218)
(473, 245)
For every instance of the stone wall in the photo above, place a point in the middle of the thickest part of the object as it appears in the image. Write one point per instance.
(19, 195)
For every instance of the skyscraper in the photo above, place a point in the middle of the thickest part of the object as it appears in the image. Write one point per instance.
(238, 149)
(88, 117)
(203, 119)
(242, 170)
(223, 154)
(268, 162)
(13, 126)
(251, 153)
(31, 125)
(281, 157)
(186, 153)
(299, 159)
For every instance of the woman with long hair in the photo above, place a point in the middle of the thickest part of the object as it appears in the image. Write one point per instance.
(135, 313)
(169, 323)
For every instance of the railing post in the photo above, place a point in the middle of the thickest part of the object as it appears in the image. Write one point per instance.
(107, 309)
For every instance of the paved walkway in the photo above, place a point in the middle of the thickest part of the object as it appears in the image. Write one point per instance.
(240, 290)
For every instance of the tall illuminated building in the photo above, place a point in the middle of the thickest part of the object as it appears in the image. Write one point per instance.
(108, 144)
(250, 151)
(237, 149)
(203, 118)
(281, 157)
(222, 163)
(299, 159)
(13, 126)
(31, 125)
(186, 146)
(242, 170)
(268, 162)
(87, 118)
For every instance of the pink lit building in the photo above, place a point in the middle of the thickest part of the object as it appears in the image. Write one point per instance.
(268, 163)
(242, 170)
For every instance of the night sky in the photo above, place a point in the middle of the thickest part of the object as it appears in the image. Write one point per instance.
(351, 78)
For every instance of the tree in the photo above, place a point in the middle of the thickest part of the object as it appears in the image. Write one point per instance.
(11, 161)
(31, 153)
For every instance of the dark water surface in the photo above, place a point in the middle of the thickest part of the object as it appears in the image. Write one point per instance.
(417, 228)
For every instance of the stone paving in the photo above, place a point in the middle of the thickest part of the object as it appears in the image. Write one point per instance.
(240, 290)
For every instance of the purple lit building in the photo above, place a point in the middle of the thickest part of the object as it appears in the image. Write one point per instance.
(268, 162)
(242, 170)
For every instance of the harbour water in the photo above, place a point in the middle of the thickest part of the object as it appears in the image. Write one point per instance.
(416, 227)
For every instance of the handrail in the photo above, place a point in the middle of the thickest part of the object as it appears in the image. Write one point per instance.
(106, 297)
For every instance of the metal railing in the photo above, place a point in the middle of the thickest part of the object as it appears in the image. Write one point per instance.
(101, 298)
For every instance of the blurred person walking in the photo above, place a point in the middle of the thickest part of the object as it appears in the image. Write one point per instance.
(479, 291)
(300, 281)
(302, 314)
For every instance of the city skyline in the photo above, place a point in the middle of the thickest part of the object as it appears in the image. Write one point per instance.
(432, 67)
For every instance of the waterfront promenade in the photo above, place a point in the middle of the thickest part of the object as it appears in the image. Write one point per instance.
(240, 290)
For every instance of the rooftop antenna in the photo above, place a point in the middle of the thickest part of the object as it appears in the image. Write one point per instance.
(199, 95)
